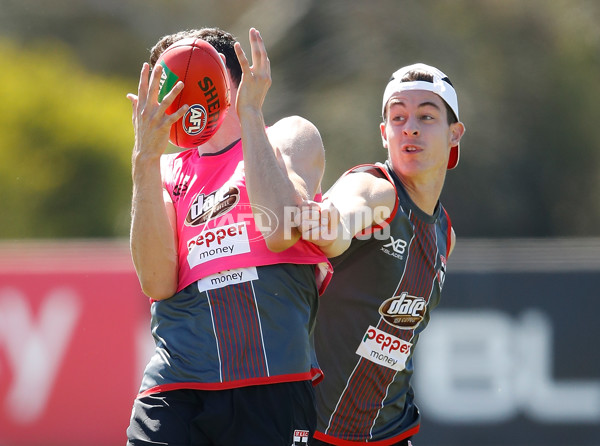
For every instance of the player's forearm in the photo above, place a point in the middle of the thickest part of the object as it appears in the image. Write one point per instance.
(266, 180)
(152, 239)
(336, 247)
(334, 237)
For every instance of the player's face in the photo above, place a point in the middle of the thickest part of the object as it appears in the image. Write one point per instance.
(416, 133)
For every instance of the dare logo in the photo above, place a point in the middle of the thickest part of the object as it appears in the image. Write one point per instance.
(206, 207)
(403, 311)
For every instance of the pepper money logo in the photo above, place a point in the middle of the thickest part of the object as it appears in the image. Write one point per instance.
(384, 349)
(403, 311)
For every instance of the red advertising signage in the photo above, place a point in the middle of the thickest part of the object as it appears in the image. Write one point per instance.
(74, 337)
(510, 357)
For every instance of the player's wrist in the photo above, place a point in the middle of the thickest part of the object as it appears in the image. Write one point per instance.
(250, 112)
(144, 158)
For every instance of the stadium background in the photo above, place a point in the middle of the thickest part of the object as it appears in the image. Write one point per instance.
(511, 356)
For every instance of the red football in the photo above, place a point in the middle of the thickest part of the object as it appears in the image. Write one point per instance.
(199, 66)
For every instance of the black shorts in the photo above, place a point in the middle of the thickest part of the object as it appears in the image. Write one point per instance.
(267, 415)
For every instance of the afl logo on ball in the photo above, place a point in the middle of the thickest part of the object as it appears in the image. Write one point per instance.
(403, 311)
(194, 120)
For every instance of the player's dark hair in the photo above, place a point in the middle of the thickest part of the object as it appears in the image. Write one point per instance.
(421, 75)
(221, 40)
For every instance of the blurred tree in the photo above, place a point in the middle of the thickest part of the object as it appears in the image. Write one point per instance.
(526, 74)
(531, 160)
(523, 71)
(65, 149)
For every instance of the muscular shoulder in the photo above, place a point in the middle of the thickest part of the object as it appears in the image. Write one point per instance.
(362, 189)
(298, 144)
(368, 184)
(295, 133)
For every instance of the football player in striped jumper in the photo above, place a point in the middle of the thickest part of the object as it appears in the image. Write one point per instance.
(388, 238)
(233, 295)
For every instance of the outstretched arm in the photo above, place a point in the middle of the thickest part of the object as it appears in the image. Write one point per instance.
(284, 164)
(153, 239)
(355, 202)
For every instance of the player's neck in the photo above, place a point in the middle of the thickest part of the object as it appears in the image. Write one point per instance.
(229, 132)
(424, 194)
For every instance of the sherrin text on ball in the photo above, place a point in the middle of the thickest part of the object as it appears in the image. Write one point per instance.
(206, 90)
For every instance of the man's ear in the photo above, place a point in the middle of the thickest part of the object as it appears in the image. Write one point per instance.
(383, 135)
(457, 130)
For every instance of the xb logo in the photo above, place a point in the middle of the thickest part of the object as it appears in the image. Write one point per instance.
(397, 245)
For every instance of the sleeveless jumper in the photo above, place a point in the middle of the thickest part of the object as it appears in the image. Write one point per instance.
(242, 315)
(379, 301)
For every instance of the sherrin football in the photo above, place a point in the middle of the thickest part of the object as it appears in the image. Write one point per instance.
(199, 66)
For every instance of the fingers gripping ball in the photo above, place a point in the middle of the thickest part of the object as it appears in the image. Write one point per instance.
(206, 90)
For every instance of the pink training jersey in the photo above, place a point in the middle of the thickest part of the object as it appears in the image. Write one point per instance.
(217, 229)
(243, 315)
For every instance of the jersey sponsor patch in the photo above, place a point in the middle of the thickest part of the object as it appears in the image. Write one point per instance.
(215, 204)
(395, 248)
(222, 241)
(300, 437)
(229, 277)
(384, 349)
(403, 311)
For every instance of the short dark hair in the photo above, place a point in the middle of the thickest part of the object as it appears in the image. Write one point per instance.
(221, 40)
(421, 75)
